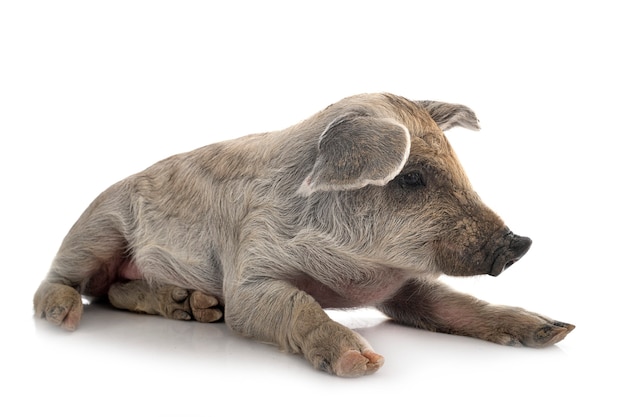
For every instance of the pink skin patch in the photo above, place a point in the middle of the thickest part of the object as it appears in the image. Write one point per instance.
(128, 270)
(354, 363)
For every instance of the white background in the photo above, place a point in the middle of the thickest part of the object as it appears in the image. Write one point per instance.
(91, 92)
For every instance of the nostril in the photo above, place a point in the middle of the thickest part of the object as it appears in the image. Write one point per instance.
(510, 263)
(511, 253)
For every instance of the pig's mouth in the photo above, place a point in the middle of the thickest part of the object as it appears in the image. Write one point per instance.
(512, 251)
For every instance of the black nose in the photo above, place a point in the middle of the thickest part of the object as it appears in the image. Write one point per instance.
(514, 248)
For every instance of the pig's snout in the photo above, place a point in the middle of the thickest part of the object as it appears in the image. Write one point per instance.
(512, 250)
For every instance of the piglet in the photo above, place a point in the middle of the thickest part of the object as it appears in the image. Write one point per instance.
(363, 204)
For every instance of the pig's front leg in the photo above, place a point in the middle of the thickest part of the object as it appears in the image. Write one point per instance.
(434, 306)
(276, 312)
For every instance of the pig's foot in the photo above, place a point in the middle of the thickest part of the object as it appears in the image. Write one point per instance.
(166, 300)
(334, 348)
(59, 304)
(204, 307)
(517, 327)
(181, 304)
(357, 363)
(339, 359)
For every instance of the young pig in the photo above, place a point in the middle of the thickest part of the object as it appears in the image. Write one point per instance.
(363, 204)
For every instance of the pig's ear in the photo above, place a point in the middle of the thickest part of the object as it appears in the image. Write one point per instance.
(448, 115)
(357, 150)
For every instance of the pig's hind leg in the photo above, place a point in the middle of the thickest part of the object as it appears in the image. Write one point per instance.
(432, 305)
(166, 300)
(86, 264)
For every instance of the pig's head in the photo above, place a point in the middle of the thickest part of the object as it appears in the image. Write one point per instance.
(399, 194)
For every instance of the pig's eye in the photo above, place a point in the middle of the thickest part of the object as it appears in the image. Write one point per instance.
(412, 180)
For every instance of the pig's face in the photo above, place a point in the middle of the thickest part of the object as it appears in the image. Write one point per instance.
(409, 196)
(466, 238)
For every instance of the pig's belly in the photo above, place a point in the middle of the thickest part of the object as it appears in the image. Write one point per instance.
(352, 294)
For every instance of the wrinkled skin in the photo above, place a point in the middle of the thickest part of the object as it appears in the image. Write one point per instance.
(363, 204)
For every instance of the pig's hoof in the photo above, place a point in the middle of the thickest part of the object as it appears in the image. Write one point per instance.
(185, 304)
(59, 304)
(533, 330)
(333, 348)
(551, 333)
(353, 363)
(177, 303)
(204, 307)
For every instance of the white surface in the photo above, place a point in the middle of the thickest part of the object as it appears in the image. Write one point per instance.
(90, 94)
